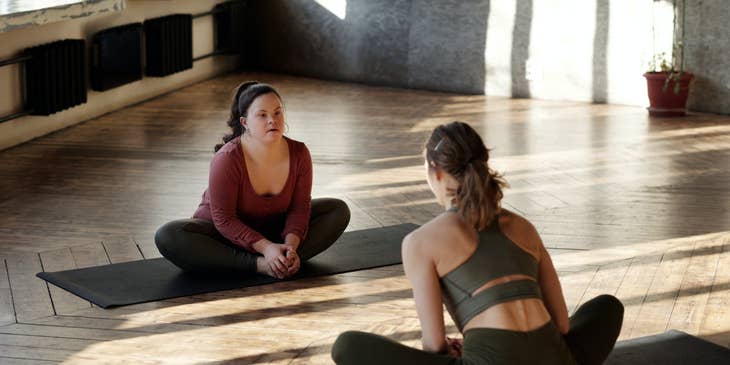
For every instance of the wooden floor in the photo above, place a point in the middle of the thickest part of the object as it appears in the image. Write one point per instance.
(628, 205)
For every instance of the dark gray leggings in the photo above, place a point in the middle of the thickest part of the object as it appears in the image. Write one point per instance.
(195, 244)
(593, 331)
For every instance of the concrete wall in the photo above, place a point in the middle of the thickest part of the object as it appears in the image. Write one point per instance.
(707, 54)
(22, 129)
(437, 45)
(585, 50)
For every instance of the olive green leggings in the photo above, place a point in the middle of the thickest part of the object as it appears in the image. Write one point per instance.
(195, 244)
(593, 331)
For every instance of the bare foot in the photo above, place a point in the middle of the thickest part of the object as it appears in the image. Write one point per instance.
(263, 268)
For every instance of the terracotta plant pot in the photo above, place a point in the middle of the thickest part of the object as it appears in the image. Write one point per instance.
(666, 102)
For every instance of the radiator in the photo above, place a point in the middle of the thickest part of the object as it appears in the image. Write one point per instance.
(116, 56)
(230, 24)
(55, 76)
(168, 44)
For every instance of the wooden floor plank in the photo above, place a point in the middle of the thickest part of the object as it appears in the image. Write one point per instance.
(34, 353)
(147, 248)
(31, 297)
(73, 357)
(60, 331)
(16, 361)
(122, 250)
(606, 280)
(715, 324)
(574, 285)
(7, 309)
(635, 287)
(656, 307)
(62, 343)
(89, 255)
(63, 301)
(689, 308)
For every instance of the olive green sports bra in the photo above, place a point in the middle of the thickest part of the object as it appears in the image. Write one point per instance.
(496, 256)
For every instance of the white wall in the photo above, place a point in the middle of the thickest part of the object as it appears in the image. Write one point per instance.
(23, 129)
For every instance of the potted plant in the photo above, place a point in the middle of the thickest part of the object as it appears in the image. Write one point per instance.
(667, 81)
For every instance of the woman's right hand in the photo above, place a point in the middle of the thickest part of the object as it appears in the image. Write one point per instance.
(275, 260)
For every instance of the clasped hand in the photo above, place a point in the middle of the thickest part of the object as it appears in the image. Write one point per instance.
(454, 346)
(282, 260)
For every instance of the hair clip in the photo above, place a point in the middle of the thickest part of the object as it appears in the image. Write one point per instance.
(438, 145)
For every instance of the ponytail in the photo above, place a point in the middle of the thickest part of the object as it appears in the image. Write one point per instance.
(479, 194)
(457, 149)
(246, 93)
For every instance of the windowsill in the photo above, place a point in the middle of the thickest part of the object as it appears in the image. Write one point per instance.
(18, 14)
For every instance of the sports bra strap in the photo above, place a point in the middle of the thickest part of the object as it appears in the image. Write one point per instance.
(495, 256)
(463, 311)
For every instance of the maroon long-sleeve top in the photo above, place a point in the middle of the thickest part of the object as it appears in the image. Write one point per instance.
(244, 217)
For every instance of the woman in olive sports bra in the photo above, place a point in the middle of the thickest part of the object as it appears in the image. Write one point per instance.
(490, 269)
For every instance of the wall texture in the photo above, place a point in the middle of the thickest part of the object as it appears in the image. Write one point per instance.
(436, 45)
(580, 50)
(707, 54)
(13, 42)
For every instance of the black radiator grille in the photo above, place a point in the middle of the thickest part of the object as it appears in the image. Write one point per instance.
(169, 44)
(55, 76)
(230, 24)
(116, 56)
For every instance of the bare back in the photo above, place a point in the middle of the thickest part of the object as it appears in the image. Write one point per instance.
(452, 242)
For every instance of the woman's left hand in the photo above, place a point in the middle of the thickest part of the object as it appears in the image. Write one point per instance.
(293, 261)
(453, 346)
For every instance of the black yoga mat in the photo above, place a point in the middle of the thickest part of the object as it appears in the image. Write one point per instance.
(157, 279)
(669, 348)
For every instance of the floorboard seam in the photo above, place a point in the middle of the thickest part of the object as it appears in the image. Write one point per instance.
(48, 287)
(676, 295)
(10, 288)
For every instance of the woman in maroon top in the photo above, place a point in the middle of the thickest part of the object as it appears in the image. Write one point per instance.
(257, 214)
